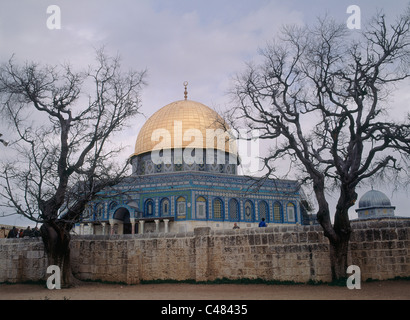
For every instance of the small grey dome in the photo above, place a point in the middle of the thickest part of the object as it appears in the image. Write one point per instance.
(374, 198)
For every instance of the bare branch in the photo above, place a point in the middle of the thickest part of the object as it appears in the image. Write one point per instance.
(324, 96)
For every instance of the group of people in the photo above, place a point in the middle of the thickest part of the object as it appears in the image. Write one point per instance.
(262, 224)
(30, 233)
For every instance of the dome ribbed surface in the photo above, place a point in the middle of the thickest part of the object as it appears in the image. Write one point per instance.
(374, 198)
(180, 119)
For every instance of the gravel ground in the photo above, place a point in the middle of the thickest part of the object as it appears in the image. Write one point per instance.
(379, 290)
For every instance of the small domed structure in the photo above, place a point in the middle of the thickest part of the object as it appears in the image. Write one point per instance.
(375, 204)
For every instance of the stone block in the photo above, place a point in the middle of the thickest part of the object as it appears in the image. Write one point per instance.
(202, 231)
(402, 234)
(303, 237)
(388, 234)
(313, 236)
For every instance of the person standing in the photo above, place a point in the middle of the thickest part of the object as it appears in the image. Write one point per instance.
(27, 232)
(262, 223)
(12, 233)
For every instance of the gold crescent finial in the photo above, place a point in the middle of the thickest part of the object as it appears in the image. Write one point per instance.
(186, 92)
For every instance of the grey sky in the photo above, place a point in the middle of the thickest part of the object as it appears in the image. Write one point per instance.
(203, 42)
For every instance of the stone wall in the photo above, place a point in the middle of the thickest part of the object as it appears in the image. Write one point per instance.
(22, 260)
(381, 248)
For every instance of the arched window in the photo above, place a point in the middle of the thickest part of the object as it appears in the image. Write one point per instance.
(149, 208)
(201, 208)
(113, 205)
(277, 212)
(165, 209)
(248, 211)
(218, 210)
(233, 210)
(291, 212)
(263, 211)
(99, 211)
(88, 212)
(181, 208)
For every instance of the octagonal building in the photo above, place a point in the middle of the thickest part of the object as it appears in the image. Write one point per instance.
(185, 175)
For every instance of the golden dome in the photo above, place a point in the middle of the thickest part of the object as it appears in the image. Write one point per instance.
(183, 124)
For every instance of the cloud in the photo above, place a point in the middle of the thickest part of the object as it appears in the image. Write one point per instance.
(203, 42)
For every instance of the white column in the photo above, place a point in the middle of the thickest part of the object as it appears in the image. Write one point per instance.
(103, 227)
(111, 226)
(141, 226)
(166, 225)
(81, 228)
(156, 225)
(132, 220)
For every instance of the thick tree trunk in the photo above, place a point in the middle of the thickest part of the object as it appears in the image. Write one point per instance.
(339, 245)
(338, 233)
(56, 238)
(338, 259)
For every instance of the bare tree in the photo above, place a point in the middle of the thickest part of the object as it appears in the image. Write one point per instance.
(322, 97)
(63, 149)
(4, 142)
